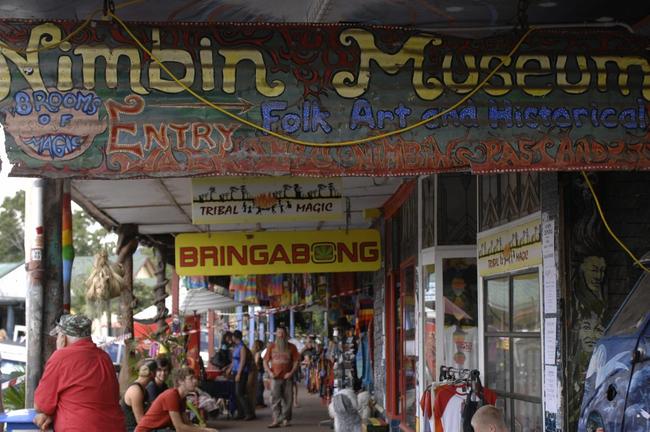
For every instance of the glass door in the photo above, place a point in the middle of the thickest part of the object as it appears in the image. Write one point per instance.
(409, 369)
(457, 336)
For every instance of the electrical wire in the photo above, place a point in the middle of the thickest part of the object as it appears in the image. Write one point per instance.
(609, 230)
(76, 31)
(322, 144)
(242, 120)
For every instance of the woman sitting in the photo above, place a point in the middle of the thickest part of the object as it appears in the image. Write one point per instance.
(134, 403)
(159, 383)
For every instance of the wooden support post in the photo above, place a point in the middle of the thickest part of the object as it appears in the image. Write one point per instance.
(127, 244)
(160, 251)
(176, 287)
(211, 318)
(53, 262)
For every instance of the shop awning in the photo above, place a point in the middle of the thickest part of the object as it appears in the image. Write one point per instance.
(190, 302)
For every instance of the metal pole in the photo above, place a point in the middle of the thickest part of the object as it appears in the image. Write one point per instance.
(240, 318)
(251, 326)
(292, 324)
(34, 300)
(261, 334)
(271, 327)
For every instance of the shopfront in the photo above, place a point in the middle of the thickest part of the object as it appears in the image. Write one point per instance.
(382, 103)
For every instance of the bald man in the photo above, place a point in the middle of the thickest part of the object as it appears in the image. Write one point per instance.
(488, 418)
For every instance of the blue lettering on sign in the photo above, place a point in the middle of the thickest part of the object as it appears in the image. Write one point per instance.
(310, 118)
(41, 100)
(53, 111)
(57, 145)
(504, 114)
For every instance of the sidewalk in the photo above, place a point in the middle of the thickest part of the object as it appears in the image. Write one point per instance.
(305, 418)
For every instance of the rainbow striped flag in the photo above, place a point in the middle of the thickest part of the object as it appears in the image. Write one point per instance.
(66, 245)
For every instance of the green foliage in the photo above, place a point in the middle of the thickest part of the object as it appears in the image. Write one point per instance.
(13, 398)
(87, 235)
(12, 221)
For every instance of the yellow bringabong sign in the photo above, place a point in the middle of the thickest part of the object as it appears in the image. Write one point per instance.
(277, 252)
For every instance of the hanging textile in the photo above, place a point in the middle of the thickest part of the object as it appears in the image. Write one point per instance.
(263, 283)
(250, 290)
(365, 312)
(308, 287)
(244, 288)
(275, 287)
(450, 403)
(285, 298)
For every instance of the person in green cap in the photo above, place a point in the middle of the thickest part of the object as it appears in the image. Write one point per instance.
(78, 391)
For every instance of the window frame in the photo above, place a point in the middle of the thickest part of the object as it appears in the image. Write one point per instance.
(510, 396)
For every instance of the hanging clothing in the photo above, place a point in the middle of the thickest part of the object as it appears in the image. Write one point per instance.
(461, 347)
(308, 288)
(450, 400)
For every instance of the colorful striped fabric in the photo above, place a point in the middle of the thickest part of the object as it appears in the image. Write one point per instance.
(66, 245)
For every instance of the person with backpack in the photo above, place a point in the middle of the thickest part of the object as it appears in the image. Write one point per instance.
(241, 366)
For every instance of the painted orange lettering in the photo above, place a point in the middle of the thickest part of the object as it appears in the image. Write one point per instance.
(369, 251)
(133, 105)
(208, 253)
(180, 130)
(201, 132)
(152, 134)
(188, 257)
(343, 249)
(279, 254)
(300, 253)
(260, 258)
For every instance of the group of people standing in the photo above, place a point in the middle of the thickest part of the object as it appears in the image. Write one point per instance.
(280, 362)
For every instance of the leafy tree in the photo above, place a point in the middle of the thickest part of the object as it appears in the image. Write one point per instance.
(12, 234)
(87, 235)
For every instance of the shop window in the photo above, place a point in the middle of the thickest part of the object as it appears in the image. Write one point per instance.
(456, 209)
(513, 357)
(461, 313)
(409, 356)
(430, 374)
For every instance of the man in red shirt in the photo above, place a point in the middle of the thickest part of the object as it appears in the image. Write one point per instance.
(168, 409)
(281, 361)
(78, 391)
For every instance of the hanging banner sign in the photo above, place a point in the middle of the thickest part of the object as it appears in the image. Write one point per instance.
(510, 248)
(274, 252)
(98, 106)
(225, 200)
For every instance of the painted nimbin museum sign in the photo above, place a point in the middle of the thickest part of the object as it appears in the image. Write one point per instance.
(98, 106)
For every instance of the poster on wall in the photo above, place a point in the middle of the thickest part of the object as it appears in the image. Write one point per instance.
(511, 247)
(224, 200)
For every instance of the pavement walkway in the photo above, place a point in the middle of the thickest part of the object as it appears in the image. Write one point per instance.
(306, 417)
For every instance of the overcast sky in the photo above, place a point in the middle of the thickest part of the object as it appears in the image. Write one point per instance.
(9, 185)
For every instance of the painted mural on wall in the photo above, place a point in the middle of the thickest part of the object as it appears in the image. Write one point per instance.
(587, 307)
(98, 106)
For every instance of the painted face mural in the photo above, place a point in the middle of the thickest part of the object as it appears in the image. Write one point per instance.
(593, 272)
(54, 125)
